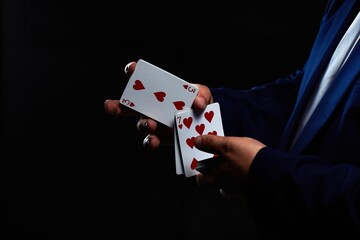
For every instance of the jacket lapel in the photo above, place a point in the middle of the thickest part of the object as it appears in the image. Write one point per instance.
(329, 35)
(331, 99)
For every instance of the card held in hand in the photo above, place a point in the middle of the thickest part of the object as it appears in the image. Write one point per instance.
(189, 124)
(157, 93)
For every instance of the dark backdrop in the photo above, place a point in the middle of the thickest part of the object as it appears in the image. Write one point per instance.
(69, 170)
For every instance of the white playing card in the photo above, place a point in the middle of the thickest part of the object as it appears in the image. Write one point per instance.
(191, 123)
(178, 162)
(157, 93)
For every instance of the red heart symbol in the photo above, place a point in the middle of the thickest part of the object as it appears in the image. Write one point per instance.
(188, 121)
(160, 96)
(132, 104)
(193, 163)
(190, 142)
(186, 86)
(180, 126)
(200, 128)
(209, 115)
(138, 85)
(179, 105)
(213, 133)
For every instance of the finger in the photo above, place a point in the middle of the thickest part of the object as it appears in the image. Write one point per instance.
(209, 180)
(146, 126)
(212, 144)
(217, 179)
(151, 142)
(203, 98)
(199, 103)
(129, 68)
(114, 107)
(158, 133)
(209, 164)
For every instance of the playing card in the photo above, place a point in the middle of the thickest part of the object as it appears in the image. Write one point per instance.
(178, 162)
(191, 123)
(157, 93)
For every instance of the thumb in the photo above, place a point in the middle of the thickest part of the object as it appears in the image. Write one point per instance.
(210, 143)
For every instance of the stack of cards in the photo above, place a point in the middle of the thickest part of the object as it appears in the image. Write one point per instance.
(167, 99)
(188, 125)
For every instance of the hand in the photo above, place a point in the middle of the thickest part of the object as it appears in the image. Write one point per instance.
(113, 107)
(237, 154)
(154, 133)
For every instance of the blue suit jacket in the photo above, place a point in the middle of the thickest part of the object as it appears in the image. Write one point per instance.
(312, 189)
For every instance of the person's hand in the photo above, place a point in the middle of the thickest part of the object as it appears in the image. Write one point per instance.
(113, 107)
(154, 133)
(237, 154)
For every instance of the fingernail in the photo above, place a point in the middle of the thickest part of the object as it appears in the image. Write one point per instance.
(146, 141)
(106, 102)
(141, 125)
(127, 67)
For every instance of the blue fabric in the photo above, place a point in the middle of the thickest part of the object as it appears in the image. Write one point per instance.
(312, 189)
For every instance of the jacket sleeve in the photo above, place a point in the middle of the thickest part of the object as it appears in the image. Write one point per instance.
(304, 188)
(260, 112)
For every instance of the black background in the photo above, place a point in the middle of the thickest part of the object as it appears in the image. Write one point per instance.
(71, 171)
